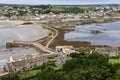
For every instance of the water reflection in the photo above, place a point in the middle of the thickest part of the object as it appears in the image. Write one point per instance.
(108, 34)
(20, 33)
(6, 53)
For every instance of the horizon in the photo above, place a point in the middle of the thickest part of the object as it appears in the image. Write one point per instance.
(62, 2)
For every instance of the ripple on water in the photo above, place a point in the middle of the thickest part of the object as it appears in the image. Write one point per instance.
(20, 33)
(109, 36)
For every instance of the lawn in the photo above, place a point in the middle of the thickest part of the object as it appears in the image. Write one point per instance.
(62, 8)
(114, 61)
(50, 32)
(29, 74)
(117, 13)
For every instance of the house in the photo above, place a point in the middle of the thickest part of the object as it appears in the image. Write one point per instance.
(110, 51)
(59, 48)
(65, 49)
(17, 57)
(15, 66)
(26, 64)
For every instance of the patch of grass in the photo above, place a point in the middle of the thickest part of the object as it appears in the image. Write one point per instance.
(29, 74)
(57, 68)
(115, 13)
(70, 9)
(53, 60)
(50, 32)
(60, 7)
(114, 61)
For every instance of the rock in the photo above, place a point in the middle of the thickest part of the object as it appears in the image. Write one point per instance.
(95, 32)
(26, 23)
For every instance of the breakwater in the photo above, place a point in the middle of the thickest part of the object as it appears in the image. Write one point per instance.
(35, 45)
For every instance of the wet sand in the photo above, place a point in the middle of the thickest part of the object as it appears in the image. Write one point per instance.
(59, 40)
(14, 30)
(30, 32)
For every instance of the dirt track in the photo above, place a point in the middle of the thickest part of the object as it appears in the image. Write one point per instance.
(59, 40)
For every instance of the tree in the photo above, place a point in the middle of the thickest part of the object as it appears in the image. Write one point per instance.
(74, 55)
(89, 67)
(49, 73)
(93, 66)
(83, 51)
(12, 76)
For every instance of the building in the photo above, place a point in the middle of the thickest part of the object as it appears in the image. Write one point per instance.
(110, 51)
(15, 66)
(65, 49)
(17, 57)
(25, 64)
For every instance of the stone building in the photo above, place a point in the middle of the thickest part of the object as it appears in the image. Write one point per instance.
(110, 51)
(65, 49)
(26, 64)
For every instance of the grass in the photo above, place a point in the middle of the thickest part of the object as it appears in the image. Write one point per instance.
(57, 68)
(53, 60)
(32, 74)
(67, 6)
(50, 32)
(114, 61)
(62, 8)
(29, 74)
(58, 8)
(115, 13)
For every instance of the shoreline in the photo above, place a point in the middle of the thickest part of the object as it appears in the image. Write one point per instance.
(38, 30)
(59, 40)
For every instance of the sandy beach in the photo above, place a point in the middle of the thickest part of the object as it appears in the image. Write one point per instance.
(14, 30)
(30, 32)
(10, 23)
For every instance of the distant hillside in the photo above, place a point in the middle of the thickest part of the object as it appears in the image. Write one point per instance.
(92, 5)
(61, 5)
(14, 4)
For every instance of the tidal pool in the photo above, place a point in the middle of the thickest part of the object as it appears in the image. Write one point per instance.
(25, 33)
(106, 34)
(19, 33)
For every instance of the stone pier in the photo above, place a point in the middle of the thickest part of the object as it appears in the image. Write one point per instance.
(37, 46)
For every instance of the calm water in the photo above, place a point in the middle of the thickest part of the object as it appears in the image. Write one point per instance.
(110, 34)
(26, 33)
(20, 34)
(6, 53)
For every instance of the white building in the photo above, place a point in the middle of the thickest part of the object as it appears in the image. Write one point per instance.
(65, 49)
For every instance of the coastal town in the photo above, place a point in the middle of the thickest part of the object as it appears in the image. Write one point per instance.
(35, 13)
(53, 44)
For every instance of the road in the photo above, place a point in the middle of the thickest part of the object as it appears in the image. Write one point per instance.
(40, 46)
(52, 39)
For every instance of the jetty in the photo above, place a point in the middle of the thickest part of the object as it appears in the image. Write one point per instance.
(35, 45)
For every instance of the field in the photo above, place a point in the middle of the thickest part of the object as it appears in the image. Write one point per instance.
(71, 9)
(114, 61)
(114, 14)
(29, 74)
